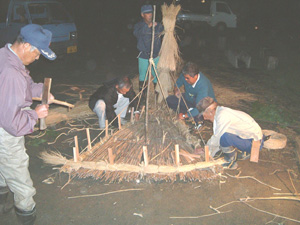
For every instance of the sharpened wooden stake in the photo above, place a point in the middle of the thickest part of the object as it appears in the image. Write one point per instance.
(206, 149)
(119, 122)
(76, 155)
(145, 154)
(106, 128)
(131, 116)
(111, 156)
(177, 158)
(88, 138)
(255, 151)
(142, 111)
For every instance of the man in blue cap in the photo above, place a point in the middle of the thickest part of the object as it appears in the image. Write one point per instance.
(143, 33)
(18, 119)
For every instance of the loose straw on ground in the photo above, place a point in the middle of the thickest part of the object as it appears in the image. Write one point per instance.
(238, 177)
(107, 193)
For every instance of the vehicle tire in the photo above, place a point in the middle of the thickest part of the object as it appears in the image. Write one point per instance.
(221, 27)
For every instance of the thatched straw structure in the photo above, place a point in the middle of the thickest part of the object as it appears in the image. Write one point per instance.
(169, 52)
(128, 164)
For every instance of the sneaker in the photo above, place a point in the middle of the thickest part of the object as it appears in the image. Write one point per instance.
(230, 159)
(243, 156)
(218, 155)
(26, 217)
(230, 165)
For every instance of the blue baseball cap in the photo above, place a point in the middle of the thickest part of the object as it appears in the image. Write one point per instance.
(146, 9)
(38, 37)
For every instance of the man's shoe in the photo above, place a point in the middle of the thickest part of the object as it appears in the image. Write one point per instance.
(5, 207)
(26, 217)
(218, 154)
(230, 159)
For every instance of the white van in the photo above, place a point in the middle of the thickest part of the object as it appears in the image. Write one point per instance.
(50, 14)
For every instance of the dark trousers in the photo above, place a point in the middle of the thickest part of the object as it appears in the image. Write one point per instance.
(173, 102)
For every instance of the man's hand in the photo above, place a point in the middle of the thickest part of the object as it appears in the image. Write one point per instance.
(177, 92)
(150, 24)
(137, 116)
(182, 116)
(42, 111)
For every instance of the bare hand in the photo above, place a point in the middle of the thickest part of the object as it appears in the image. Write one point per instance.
(177, 92)
(150, 24)
(137, 117)
(42, 111)
(199, 151)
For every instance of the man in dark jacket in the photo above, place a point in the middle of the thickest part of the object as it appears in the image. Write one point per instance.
(143, 33)
(113, 98)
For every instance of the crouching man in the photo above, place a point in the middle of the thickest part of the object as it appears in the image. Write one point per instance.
(196, 86)
(113, 98)
(232, 130)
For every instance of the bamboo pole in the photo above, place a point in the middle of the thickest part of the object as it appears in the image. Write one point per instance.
(88, 138)
(177, 157)
(76, 155)
(206, 149)
(145, 154)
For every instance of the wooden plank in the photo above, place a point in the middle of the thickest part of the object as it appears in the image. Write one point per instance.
(45, 96)
(111, 156)
(255, 151)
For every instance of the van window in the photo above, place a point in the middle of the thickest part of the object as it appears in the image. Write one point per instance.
(48, 13)
(220, 7)
(19, 14)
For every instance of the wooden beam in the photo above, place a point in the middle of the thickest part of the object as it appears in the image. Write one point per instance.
(255, 151)
(45, 97)
(111, 156)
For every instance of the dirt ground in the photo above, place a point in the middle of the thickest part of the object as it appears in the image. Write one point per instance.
(156, 203)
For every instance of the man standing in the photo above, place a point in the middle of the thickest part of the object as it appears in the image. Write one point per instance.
(232, 129)
(143, 33)
(112, 99)
(17, 119)
(196, 86)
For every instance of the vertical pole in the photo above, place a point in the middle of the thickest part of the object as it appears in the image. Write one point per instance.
(145, 154)
(88, 138)
(119, 122)
(177, 158)
(106, 128)
(149, 77)
(76, 155)
(206, 149)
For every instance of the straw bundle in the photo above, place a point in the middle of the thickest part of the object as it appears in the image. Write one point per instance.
(169, 52)
(127, 146)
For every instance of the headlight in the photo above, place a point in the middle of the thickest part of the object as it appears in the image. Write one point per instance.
(73, 35)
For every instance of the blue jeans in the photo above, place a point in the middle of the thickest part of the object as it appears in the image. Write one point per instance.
(228, 139)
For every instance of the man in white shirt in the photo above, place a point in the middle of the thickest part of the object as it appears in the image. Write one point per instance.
(232, 129)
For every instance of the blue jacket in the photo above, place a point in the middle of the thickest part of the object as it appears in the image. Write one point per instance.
(143, 33)
(192, 94)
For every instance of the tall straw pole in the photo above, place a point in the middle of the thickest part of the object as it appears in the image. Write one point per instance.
(149, 71)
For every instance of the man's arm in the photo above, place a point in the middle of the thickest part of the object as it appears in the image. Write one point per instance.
(15, 96)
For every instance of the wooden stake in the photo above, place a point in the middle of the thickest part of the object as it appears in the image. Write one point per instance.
(255, 151)
(111, 156)
(106, 128)
(143, 109)
(206, 149)
(131, 116)
(145, 154)
(119, 122)
(88, 138)
(76, 155)
(177, 158)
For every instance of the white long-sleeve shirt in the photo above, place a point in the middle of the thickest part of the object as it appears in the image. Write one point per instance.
(234, 122)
